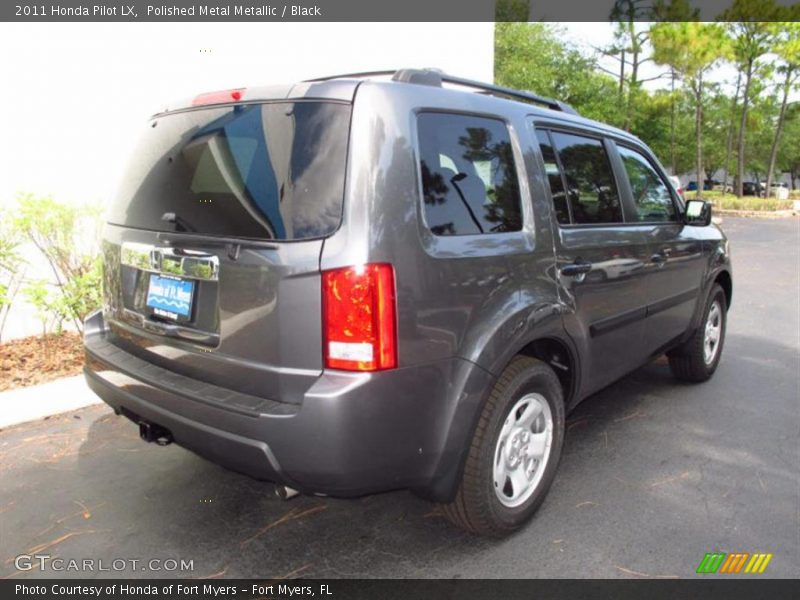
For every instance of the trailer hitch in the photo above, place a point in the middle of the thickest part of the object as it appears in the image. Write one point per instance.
(150, 432)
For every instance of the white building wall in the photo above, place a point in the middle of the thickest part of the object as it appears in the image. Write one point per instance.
(74, 94)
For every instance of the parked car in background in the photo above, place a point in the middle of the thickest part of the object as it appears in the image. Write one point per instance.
(368, 282)
(708, 185)
(779, 190)
(718, 186)
(749, 188)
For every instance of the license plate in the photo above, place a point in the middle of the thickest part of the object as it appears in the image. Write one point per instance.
(170, 297)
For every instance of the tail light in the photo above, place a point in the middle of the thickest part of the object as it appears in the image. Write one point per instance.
(222, 97)
(359, 318)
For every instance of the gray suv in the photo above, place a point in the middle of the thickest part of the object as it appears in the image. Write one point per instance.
(395, 280)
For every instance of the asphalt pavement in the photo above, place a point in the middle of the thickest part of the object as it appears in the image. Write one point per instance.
(654, 475)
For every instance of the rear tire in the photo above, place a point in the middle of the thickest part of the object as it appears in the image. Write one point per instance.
(514, 453)
(697, 359)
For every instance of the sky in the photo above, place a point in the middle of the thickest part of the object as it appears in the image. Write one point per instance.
(588, 36)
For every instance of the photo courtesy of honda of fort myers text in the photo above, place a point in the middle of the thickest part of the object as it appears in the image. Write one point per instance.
(108, 589)
(377, 300)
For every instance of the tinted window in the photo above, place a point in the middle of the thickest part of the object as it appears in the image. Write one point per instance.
(468, 177)
(591, 188)
(554, 177)
(651, 194)
(269, 171)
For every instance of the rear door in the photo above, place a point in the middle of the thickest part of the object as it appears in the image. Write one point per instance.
(675, 266)
(600, 258)
(213, 243)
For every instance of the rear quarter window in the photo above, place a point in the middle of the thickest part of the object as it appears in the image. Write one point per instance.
(469, 179)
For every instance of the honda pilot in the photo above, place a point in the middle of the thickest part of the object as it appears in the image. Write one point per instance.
(395, 280)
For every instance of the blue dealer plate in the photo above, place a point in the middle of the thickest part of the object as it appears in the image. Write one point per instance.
(173, 296)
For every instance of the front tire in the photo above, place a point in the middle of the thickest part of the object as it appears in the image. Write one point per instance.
(514, 453)
(697, 359)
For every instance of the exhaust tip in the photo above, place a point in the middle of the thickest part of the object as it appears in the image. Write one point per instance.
(285, 493)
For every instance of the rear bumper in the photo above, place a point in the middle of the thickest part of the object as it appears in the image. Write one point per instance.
(353, 434)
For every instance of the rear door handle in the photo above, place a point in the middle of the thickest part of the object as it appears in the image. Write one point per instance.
(576, 268)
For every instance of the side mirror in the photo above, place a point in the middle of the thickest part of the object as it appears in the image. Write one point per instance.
(698, 213)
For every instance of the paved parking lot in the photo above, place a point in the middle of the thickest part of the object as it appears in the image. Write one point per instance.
(654, 475)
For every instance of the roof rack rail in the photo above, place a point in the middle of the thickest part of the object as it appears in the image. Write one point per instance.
(351, 75)
(435, 78)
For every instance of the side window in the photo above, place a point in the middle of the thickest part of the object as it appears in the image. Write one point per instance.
(651, 194)
(591, 189)
(554, 177)
(469, 180)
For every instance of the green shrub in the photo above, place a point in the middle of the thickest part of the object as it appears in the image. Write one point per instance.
(68, 237)
(49, 304)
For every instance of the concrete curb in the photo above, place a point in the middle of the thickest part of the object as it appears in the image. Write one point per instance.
(38, 401)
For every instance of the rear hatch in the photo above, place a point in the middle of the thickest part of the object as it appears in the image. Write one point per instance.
(213, 243)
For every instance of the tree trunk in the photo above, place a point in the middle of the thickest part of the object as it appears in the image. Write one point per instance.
(672, 125)
(698, 125)
(742, 126)
(773, 153)
(633, 83)
(731, 129)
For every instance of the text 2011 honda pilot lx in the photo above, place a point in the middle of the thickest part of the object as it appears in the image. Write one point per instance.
(372, 282)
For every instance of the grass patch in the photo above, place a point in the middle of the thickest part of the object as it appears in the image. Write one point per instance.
(731, 202)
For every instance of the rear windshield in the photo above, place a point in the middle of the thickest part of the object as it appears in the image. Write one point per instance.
(266, 171)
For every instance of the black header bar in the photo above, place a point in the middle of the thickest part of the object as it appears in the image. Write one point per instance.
(358, 10)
